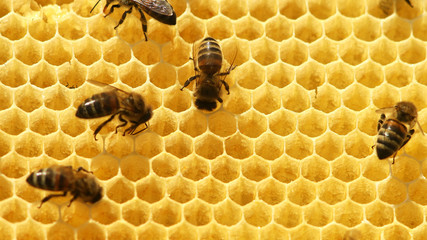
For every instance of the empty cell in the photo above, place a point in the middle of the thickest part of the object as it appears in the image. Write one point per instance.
(193, 122)
(292, 9)
(104, 166)
(318, 214)
(252, 123)
(41, 29)
(298, 146)
(14, 210)
(13, 121)
(12, 166)
(356, 97)
(315, 168)
(269, 146)
(105, 212)
(6, 51)
(13, 73)
(119, 146)
(13, 26)
(164, 122)
(396, 29)
(421, 73)
(42, 75)
(176, 100)
(102, 72)
(228, 213)
(375, 170)
(71, 125)
(86, 146)
(295, 98)
(165, 165)
(396, 231)
(191, 29)
(71, 26)
(278, 28)
(415, 94)
(280, 74)
(406, 169)
(162, 75)
(198, 213)
(301, 192)
(293, 52)
(412, 51)
(310, 75)
(332, 191)
(29, 144)
(258, 214)
(134, 167)
(419, 27)
(288, 214)
(379, 214)
(342, 121)
(194, 167)
(416, 191)
(57, 51)
(353, 51)
(271, 191)
(351, 8)
(180, 189)
(176, 52)
(5, 143)
(115, 51)
(264, 51)
(336, 231)
(238, 102)
(383, 51)
(218, 27)
(404, 10)
(385, 95)
(308, 29)
(152, 96)
(262, 10)
(5, 187)
(204, 10)
(58, 145)
(149, 144)
(237, 50)
(367, 121)
(131, 29)
(136, 212)
(248, 28)
(348, 213)
(152, 231)
(209, 146)
(369, 73)
(330, 146)
(410, 214)
(338, 27)
(120, 190)
(346, 168)
(87, 51)
(151, 189)
(57, 98)
(211, 190)
(225, 169)
(72, 74)
(398, 74)
(282, 122)
(358, 144)
(121, 231)
(266, 99)
(179, 144)
(221, 123)
(146, 52)
(250, 75)
(340, 75)
(133, 74)
(242, 191)
(29, 230)
(183, 231)
(91, 230)
(324, 51)
(367, 28)
(239, 146)
(285, 169)
(234, 9)
(60, 231)
(392, 191)
(312, 123)
(28, 50)
(321, 9)
(255, 168)
(75, 215)
(274, 231)
(5, 8)
(100, 28)
(362, 191)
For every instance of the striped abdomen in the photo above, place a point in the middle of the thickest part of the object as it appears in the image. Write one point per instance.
(391, 136)
(209, 56)
(53, 178)
(99, 105)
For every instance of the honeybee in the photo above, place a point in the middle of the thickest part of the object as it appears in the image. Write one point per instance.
(65, 179)
(208, 83)
(386, 5)
(393, 132)
(160, 10)
(116, 102)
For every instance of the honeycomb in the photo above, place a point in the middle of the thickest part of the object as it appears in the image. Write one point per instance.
(287, 156)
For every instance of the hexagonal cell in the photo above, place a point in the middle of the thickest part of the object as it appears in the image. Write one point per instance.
(351, 8)
(369, 74)
(149, 144)
(15, 116)
(318, 214)
(266, 99)
(152, 231)
(104, 166)
(5, 97)
(252, 123)
(146, 52)
(162, 75)
(248, 28)
(191, 28)
(72, 74)
(86, 146)
(136, 212)
(332, 191)
(42, 28)
(308, 29)
(164, 122)
(375, 170)
(165, 165)
(293, 52)
(116, 51)
(367, 121)
(151, 189)
(398, 74)
(315, 168)
(282, 122)
(208, 146)
(310, 75)
(278, 28)
(414, 93)
(262, 10)
(264, 51)
(91, 230)
(348, 213)
(12, 166)
(385, 96)
(71, 26)
(218, 27)
(221, 123)
(379, 214)
(211, 190)
(406, 169)
(392, 191)
(362, 191)
(43, 121)
(227, 213)
(58, 146)
(353, 51)
(285, 169)
(396, 231)
(28, 50)
(356, 97)
(250, 75)
(237, 50)
(166, 212)
(324, 51)
(312, 123)
(295, 98)
(242, 191)
(338, 27)
(244, 231)
(29, 144)
(204, 10)
(269, 146)
(358, 144)
(6, 188)
(383, 51)
(29, 230)
(5, 143)
(71, 125)
(239, 146)
(415, 191)
(225, 169)
(255, 168)
(119, 146)
(176, 52)
(14, 73)
(102, 71)
(131, 29)
(301, 192)
(198, 213)
(280, 74)
(367, 28)
(60, 231)
(133, 74)
(298, 146)
(238, 102)
(412, 51)
(329, 146)
(180, 189)
(342, 121)
(121, 231)
(419, 28)
(194, 167)
(396, 29)
(14, 210)
(346, 168)
(179, 144)
(175, 100)
(339, 75)
(57, 51)
(42, 75)
(105, 212)
(120, 190)
(213, 231)
(288, 214)
(410, 214)
(134, 167)
(13, 26)
(271, 191)
(258, 214)
(183, 231)
(328, 98)
(75, 215)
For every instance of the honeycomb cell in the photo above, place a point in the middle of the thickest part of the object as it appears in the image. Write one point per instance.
(242, 191)
(56, 98)
(5, 187)
(211, 190)
(120, 190)
(26, 144)
(369, 74)
(248, 28)
(225, 169)
(86, 146)
(346, 168)
(209, 146)
(58, 146)
(151, 189)
(179, 145)
(252, 123)
(419, 28)
(12, 166)
(410, 214)
(396, 29)
(239, 146)
(57, 51)
(72, 74)
(236, 50)
(60, 231)
(121, 231)
(264, 51)
(194, 167)
(282, 122)
(392, 191)
(115, 51)
(104, 166)
(162, 75)
(412, 51)
(250, 75)
(419, 232)
(375, 170)
(91, 230)
(335, 231)
(238, 102)
(379, 214)
(353, 51)
(323, 51)
(180, 189)
(367, 28)
(192, 29)
(15, 116)
(43, 121)
(415, 191)
(227, 213)
(332, 191)
(136, 212)
(288, 215)
(310, 75)
(398, 74)
(166, 212)
(149, 144)
(29, 230)
(255, 168)
(406, 169)
(119, 146)
(293, 52)
(41, 28)
(133, 74)
(198, 213)
(358, 145)
(338, 27)
(271, 191)
(348, 213)
(71, 27)
(105, 212)
(221, 123)
(5, 8)
(356, 97)
(163, 122)
(244, 231)
(146, 52)
(342, 121)
(183, 231)
(71, 125)
(351, 8)
(312, 123)
(165, 165)
(266, 99)
(134, 167)
(362, 191)
(213, 231)
(258, 214)
(315, 168)
(103, 72)
(367, 121)
(218, 27)
(13, 73)
(415, 94)
(28, 50)
(285, 169)
(385, 96)
(308, 29)
(269, 146)
(278, 28)
(5, 97)
(295, 98)
(175, 100)
(14, 210)
(176, 52)
(5, 143)
(318, 214)
(396, 231)
(100, 27)
(329, 146)
(339, 75)
(280, 74)
(13, 26)
(298, 146)
(75, 215)
(42, 75)
(383, 51)
(301, 192)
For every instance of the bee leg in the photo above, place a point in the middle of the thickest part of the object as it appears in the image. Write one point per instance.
(83, 169)
(72, 199)
(51, 196)
(226, 86)
(219, 99)
(123, 16)
(189, 81)
(124, 122)
(144, 23)
(131, 131)
(408, 137)
(103, 124)
(111, 9)
(380, 121)
(410, 4)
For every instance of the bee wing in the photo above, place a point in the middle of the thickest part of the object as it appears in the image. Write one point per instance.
(386, 110)
(158, 6)
(121, 94)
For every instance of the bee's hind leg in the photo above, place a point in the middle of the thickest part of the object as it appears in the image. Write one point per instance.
(103, 124)
(123, 16)
(111, 9)
(189, 81)
(144, 23)
(124, 122)
(51, 196)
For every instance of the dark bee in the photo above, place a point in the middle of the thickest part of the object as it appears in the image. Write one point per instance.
(116, 102)
(393, 132)
(65, 179)
(386, 5)
(160, 10)
(208, 83)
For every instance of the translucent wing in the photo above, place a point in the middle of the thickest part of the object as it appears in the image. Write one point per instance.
(121, 94)
(158, 6)
(386, 110)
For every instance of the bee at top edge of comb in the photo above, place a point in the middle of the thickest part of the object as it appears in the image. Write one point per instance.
(80, 183)
(208, 76)
(386, 5)
(130, 107)
(160, 10)
(396, 129)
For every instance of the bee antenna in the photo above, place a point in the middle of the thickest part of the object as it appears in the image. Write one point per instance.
(419, 126)
(94, 6)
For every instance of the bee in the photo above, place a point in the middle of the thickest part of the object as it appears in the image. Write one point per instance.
(208, 83)
(393, 132)
(128, 106)
(160, 10)
(386, 5)
(64, 178)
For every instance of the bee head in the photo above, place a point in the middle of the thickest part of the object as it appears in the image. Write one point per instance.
(97, 196)
(406, 112)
